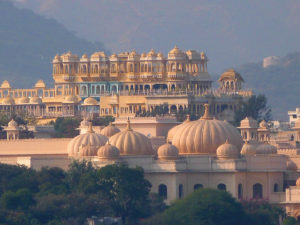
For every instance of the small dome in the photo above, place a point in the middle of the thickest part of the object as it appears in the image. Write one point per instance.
(205, 135)
(108, 152)
(291, 166)
(88, 150)
(8, 101)
(24, 100)
(248, 149)
(57, 57)
(175, 50)
(40, 84)
(263, 124)
(130, 142)
(90, 138)
(151, 54)
(266, 148)
(143, 55)
(84, 123)
(71, 99)
(227, 151)
(231, 74)
(203, 55)
(110, 130)
(298, 182)
(5, 84)
(12, 123)
(173, 130)
(167, 152)
(160, 55)
(35, 100)
(90, 101)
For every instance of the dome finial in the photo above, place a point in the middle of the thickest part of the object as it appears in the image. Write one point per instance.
(227, 141)
(90, 129)
(206, 115)
(128, 125)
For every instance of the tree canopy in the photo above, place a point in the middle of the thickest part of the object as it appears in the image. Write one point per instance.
(256, 107)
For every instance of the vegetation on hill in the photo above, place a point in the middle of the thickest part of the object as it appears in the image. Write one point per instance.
(29, 42)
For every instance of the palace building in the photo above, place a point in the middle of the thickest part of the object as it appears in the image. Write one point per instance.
(127, 84)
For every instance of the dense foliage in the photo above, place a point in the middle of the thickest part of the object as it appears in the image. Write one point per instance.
(256, 107)
(54, 196)
(214, 207)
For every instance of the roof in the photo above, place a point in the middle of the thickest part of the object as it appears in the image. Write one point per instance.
(232, 75)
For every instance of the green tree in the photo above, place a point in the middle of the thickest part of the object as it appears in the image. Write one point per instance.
(261, 212)
(203, 207)
(289, 221)
(127, 191)
(66, 127)
(256, 107)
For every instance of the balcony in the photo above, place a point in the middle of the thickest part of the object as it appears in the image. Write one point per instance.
(68, 77)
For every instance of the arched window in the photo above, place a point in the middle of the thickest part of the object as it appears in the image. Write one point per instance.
(131, 68)
(197, 186)
(240, 191)
(276, 187)
(180, 191)
(93, 90)
(221, 187)
(257, 190)
(83, 90)
(136, 68)
(96, 69)
(98, 89)
(163, 191)
(84, 69)
(173, 67)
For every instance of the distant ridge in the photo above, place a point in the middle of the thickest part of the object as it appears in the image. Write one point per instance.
(28, 43)
(280, 83)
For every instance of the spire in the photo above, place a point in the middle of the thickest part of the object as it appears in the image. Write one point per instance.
(206, 115)
(128, 125)
(227, 141)
(90, 129)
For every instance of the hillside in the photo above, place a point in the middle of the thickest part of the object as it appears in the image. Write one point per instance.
(281, 84)
(28, 43)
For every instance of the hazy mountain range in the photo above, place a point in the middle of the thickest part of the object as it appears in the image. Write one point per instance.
(28, 43)
(231, 32)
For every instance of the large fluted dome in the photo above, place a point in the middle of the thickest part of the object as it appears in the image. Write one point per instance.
(173, 130)
(130, 142)
(109, 130)
(90, 138)
(205, 135)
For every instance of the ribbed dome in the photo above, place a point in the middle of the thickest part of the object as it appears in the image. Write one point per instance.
(8, 101)
(298, 182)
(90, 101)
(90, 138)
(24, 100)
(266, 149)
(88, 150)
(40, 84)
(130, 142)
(110, 130)
(173, 130)
(5, 84)
(248, 149)
(35, 100)
(205, 135)
(108, 152)
(227, 151)
(167, 152)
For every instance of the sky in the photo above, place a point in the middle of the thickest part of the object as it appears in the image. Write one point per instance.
(231, 32)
